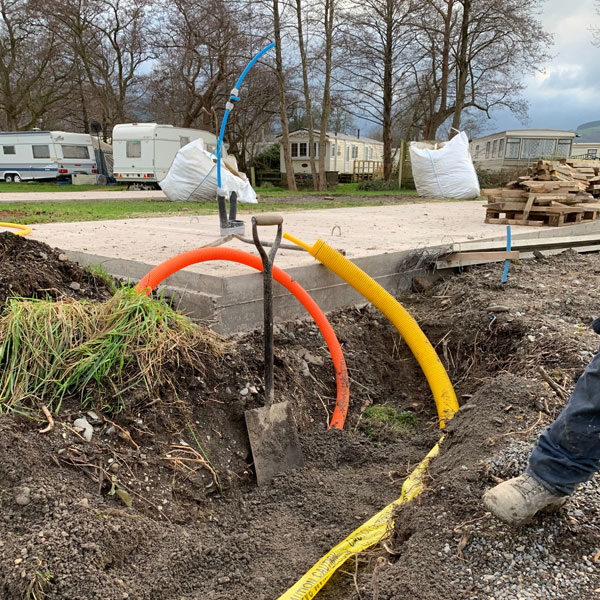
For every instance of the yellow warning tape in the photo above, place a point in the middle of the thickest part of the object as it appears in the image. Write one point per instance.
(368, 534)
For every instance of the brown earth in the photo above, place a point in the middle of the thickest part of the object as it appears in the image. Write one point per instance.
(198, 526)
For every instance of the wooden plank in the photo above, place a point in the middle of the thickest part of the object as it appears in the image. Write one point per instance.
(496, 221)
(464, 259)
(523, 245)
(528, 206)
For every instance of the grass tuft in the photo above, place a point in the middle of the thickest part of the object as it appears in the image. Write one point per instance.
(96, 271)
(379, 420)
(99, 352)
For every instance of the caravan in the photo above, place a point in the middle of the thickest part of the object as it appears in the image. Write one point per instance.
(26, 155)
(144, 152)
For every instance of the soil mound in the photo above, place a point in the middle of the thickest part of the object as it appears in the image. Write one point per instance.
(31, 269)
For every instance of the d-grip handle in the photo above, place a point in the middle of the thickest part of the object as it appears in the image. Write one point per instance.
(265, 219)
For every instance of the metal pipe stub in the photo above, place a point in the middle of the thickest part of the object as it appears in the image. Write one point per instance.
(229, 224)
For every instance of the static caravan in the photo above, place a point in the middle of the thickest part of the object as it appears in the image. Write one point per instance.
(144, 152)
(520, 147)
(26, 155)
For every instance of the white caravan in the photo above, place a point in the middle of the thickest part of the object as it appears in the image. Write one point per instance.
(144, 152)
(45, 155)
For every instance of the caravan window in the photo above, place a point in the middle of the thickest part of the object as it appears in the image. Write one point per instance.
(40, 150)
(8, 149)
(134, 149)
(183, 141)
(75, 151)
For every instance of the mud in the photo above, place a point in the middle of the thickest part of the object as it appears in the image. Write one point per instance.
(199, 527)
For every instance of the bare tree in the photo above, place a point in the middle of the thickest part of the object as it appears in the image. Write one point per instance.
(307, 96)
(375, 77)
(197, 51)
(472, 54)
(108, 37)
(283, 117)
(329, 7)
(34, 73)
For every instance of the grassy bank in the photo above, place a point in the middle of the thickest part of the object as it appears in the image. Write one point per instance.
(70, 212)
(51, 187)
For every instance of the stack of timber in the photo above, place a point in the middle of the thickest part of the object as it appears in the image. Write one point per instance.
(555, 193)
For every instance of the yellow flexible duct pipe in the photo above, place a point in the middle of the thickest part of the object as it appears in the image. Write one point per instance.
(439, 382)
(23, 229)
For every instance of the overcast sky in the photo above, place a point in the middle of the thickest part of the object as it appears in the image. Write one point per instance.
(568, 93)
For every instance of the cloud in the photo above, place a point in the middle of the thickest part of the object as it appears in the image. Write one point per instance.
(566, 92)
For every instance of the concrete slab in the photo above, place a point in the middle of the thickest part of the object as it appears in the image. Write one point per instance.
(378, 239)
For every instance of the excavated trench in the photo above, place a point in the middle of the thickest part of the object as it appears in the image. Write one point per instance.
(198, 526)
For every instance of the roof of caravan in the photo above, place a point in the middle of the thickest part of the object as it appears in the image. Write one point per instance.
(125, 130)
(40, 132)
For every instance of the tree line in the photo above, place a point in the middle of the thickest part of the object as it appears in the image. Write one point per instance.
(406, 69)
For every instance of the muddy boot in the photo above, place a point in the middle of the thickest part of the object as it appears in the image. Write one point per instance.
(518, 500)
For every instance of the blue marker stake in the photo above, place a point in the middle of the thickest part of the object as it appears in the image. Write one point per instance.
(506, 262)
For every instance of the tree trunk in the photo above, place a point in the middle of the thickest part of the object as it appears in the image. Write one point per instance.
(285, 134)
(462, 64)
(326, 104)
(388, 97)
(307, 100)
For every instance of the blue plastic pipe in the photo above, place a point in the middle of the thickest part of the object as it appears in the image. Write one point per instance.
(229, 107)
(507, 262)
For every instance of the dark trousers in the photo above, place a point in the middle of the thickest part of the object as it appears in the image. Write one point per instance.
(568, 452)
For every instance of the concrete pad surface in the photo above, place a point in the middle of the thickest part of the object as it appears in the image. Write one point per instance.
(361, 231)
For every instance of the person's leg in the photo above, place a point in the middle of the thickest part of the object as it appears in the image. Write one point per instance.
(565, 455)
(568, 452)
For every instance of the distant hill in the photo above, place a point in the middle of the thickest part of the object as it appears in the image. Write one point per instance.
(588, 132)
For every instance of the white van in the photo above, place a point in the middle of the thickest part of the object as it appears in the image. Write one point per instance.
(26, 155)
(144, 152)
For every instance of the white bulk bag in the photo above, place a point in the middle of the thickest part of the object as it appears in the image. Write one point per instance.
(193, 176)
(444, 170)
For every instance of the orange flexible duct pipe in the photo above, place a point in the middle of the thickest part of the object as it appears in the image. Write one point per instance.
(185, 259)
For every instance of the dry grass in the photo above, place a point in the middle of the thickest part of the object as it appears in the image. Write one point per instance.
(97, 351)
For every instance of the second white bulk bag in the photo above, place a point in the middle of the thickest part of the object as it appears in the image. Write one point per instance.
(444, 170)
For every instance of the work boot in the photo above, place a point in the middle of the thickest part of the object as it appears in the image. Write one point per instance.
(518, 500)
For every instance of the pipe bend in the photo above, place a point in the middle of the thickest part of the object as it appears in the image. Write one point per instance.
(424, 352)
(23, 229)
(198, 255)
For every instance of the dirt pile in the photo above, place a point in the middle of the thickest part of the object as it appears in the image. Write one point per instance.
(162, 502)
(31, 269)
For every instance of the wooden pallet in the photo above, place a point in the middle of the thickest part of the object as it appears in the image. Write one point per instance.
(538, 216)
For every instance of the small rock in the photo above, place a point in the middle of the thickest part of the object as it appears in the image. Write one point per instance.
(23, 498)
(252, 389)
(244, 392)
(421, 284)
(74, 285)
(63, 257)
(498, 308)
(92, 415)
(83, 424)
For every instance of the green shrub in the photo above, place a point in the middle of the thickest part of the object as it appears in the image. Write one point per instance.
(495, 179)
(378, 185)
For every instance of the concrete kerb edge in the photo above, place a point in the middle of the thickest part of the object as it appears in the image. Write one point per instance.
(237, 305)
